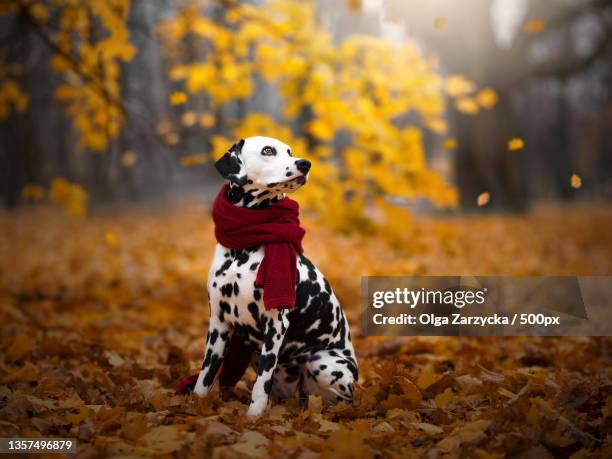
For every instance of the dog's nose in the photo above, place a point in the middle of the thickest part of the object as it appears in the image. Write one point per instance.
(303, 165)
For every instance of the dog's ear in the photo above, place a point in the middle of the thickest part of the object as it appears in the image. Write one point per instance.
(231, 166)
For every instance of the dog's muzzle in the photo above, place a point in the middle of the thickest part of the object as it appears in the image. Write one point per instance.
(303, 165)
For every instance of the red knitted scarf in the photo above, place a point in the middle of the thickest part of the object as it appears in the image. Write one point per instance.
(278, 228)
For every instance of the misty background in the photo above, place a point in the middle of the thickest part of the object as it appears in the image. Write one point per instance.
(554, 89)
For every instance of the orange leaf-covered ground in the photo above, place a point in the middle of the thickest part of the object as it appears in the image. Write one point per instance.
(101, 317)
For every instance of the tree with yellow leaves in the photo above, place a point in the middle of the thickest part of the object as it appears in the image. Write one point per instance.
(328, 88)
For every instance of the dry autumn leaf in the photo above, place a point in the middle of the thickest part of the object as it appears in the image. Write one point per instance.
(483, 199)
(515, 144)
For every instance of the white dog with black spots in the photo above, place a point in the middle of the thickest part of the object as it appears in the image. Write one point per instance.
(306, 349)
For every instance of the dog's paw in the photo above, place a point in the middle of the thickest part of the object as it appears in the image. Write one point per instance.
(200, 390)
(256, 409)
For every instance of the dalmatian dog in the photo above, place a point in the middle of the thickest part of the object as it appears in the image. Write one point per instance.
(306, 349)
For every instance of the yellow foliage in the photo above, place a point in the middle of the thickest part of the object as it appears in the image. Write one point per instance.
(224, 73)
(457, 85)
(350, 87)
(91, 89)
(321, 129)
(467, 105)
(326, 89)
(439, 126)
(11, 95)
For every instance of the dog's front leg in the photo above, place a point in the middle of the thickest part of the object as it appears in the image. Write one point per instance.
(216, 344)
(276, 327)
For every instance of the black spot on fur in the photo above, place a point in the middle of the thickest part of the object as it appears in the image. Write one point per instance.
(266, 363)
(268, 386)
(224, 308)
(226, 290)
(226, 264)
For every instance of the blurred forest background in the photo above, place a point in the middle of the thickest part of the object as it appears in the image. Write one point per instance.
(399, 104)
(448, 137)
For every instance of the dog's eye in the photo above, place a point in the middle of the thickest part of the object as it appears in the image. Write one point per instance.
(289, 152)
(268, 151)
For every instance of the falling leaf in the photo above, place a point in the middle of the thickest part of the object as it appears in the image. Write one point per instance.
(128, 159)
(439, 23)
(487, 98)
(483, 199)
(178, 98)
(516, 143)
(534, 26)
(576, 181)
